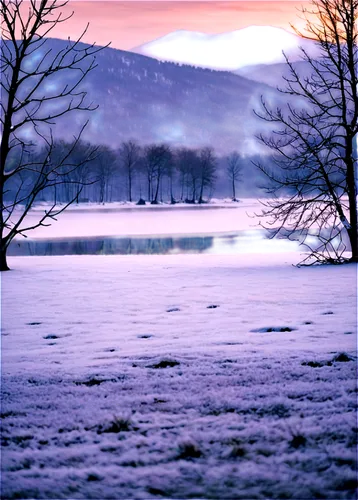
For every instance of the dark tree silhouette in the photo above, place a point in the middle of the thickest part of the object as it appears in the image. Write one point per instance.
(75, 170)
(104, 171)
(170, 173)
(187, 162)
(207, 170)
(182, 168)
(193, 176)
(39, 86)
(157, 157)
(233, 170)
(129, 154)
(314, 138)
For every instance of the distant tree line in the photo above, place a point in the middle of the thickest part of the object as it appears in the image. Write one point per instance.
(145, 174)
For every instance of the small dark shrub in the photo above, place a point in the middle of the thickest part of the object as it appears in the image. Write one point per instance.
(93, 477)
(237, 452)
(342, 357)
(188, 450)
(118, 424)
(165, 363)
(297, 441)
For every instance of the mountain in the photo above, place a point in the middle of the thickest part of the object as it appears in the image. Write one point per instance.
(274, 74)
(228, 51)
(152, 101)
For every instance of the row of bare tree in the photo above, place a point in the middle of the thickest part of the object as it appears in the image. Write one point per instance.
(101, 174)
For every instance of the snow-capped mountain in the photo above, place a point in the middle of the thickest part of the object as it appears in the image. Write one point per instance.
(228, 51)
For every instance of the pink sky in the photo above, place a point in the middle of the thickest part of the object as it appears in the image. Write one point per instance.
(131, 23)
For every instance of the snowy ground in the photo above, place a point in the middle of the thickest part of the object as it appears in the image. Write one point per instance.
(196, 376)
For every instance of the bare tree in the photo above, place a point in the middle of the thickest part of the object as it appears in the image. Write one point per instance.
(104, 170)
(157, 157)
(233, 170)
(314, 138)
(33, 98)
(181, 166)
(207, 170)
(187, 162)
(149, 165)
(129, 155)
(82, 174)
(170, 172)
(76, 172)
(164, 156)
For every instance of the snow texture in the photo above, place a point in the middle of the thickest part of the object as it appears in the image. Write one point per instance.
(178, 377)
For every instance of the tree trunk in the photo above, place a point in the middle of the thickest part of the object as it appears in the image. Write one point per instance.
(106, 196)
(3, 247)
(353, 236)
(157, 191)
(233, 190)
(201, 192)
(353, 230)
(194, 191)
(352, 196)
(171, 190)
(149, 187)
(130, 185)
(3, 260)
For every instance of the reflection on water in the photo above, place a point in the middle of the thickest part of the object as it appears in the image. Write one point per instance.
(251, 241)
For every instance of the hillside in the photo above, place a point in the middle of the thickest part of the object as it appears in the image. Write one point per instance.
(142, 98)
(274, 74)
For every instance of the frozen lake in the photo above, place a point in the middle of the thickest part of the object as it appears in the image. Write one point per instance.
(230, 228)
(129, 220)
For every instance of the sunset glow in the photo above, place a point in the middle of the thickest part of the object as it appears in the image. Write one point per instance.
(132, 23)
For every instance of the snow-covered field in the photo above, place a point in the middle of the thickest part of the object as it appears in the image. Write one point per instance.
(196, 376)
